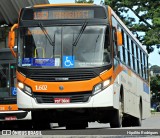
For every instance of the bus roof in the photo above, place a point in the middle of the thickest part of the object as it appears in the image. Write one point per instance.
(64, 4)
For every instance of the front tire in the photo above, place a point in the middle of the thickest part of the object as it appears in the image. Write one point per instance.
(117, 115)
(39, 121)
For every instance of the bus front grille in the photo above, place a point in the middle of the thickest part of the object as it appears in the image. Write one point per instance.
(74, 97)
(8, 100)
(60, 75)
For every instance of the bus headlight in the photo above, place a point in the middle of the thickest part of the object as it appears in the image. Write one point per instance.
(20, 85)
(99, 87)
(106, 83)
(24, 88)
(27, 89)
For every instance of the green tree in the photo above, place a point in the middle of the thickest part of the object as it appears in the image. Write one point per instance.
(84, 1)
(155, 88)
(155, 68)
(146, 19)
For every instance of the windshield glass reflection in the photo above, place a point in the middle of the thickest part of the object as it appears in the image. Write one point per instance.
(91, 49)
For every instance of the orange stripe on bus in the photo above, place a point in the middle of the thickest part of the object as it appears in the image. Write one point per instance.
(107, 74)
(76, 86)
(9, 107)
(109, 15)
(20, 77)
(116, 72)
(129, 72)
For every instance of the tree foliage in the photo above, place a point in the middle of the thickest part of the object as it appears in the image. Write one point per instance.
(155, 68)
(146, 19)
(84, 1)
(155, 88)
(155, 84)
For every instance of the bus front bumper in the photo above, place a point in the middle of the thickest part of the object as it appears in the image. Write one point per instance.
(17, 115)
(101, 99)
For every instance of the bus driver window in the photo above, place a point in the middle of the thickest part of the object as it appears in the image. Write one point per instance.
(106, 56)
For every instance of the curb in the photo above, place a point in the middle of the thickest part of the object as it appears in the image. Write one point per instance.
(155, 114)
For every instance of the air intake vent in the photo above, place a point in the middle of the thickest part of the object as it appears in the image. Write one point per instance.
(62, 75)
(74, 97)
(8, 100)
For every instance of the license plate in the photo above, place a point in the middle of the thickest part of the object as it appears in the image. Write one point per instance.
(61, 100)
(11, 118)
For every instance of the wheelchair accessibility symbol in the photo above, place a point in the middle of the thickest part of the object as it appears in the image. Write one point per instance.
(68, 61)
(14, 91)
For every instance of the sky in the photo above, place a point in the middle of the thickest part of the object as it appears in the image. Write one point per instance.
(154, 57)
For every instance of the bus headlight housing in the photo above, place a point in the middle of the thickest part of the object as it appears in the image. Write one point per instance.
(99, 87)
(27, 89)
(24, 88)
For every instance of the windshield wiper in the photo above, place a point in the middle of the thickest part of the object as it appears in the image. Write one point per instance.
(80, 33)
(52, 42)
(74, 44)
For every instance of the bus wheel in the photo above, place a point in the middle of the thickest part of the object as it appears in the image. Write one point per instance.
(61, 124)
(117, 116)
(27, 126)
(78, 125)
(41, 126)
(127, 121)
(39, 122)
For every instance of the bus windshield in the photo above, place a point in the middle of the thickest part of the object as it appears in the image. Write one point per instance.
(36, 50)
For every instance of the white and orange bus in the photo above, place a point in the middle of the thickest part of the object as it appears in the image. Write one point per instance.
(78, 63)
(9, 113)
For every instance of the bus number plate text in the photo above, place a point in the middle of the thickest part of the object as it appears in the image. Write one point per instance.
(8, 118)
(61, 100)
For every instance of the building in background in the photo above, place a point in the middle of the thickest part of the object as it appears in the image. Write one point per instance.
(9, 10)
(155, 70)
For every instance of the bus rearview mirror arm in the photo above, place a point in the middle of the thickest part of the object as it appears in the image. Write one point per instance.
(11, 39)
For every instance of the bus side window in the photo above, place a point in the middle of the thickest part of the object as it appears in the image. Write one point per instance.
(123, 56)
(106, 56)
(114, 42)
(0, 77)
(114, 28)
(3, 80)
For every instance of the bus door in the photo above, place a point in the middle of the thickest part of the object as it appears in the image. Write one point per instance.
(7, 83)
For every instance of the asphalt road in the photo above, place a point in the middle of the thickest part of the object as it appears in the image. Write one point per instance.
(150, 128)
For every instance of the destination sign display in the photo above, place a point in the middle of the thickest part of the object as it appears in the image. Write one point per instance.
(64, 14)
(56, 13)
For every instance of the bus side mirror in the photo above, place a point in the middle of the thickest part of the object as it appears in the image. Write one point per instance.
(11, 39)
(119, 38)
